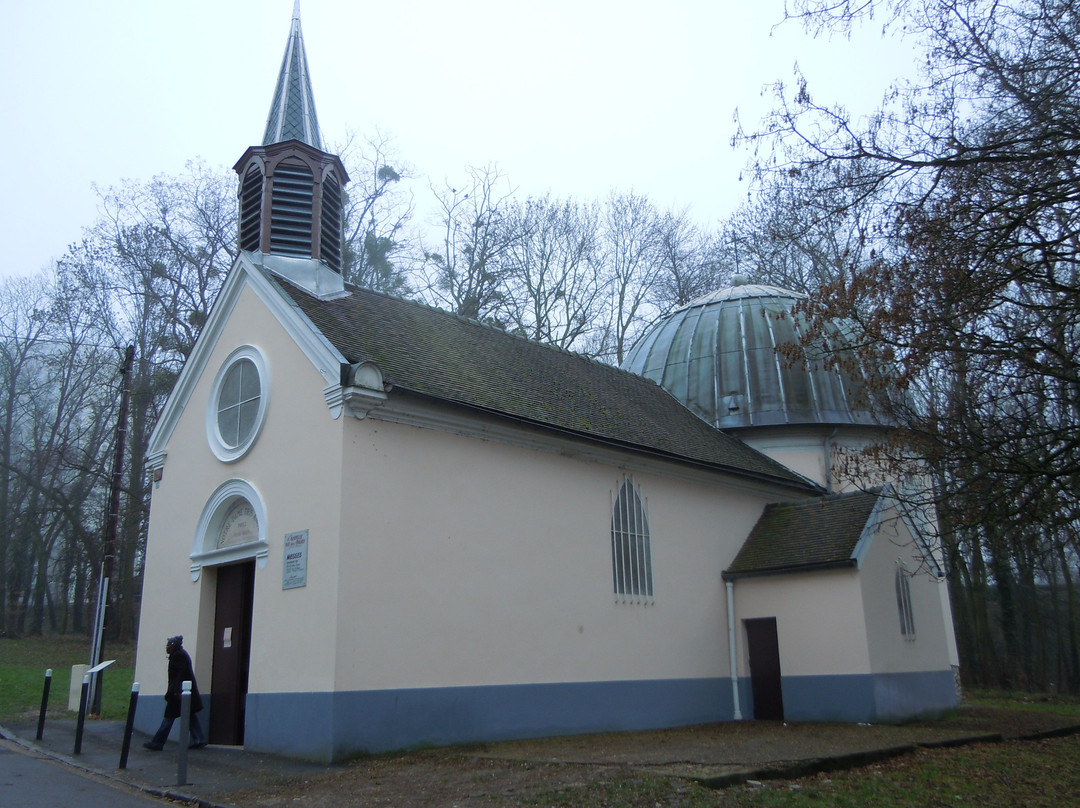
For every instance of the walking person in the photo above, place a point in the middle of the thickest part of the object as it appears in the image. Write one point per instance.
(180, 671)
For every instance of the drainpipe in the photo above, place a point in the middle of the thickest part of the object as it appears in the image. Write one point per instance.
(732, 649)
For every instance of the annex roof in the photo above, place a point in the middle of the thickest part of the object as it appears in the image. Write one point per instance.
(451, 359)
(814, 534)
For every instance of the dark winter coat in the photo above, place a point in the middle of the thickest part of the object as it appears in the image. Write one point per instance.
(180, 670)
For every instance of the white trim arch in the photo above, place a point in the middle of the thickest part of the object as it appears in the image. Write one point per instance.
(205, 551)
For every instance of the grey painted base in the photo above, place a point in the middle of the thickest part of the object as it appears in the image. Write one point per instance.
(869, 698)
(334, 726)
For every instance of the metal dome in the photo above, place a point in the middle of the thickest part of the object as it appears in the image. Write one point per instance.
(718, 355)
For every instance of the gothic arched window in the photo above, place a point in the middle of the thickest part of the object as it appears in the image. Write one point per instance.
(903, 603)
(631, 555)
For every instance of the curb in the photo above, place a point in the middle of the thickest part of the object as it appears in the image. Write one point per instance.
(804, 768)
(807, 768)
(1060, 732)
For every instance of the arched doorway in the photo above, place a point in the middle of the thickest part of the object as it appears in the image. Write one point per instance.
(231, 543)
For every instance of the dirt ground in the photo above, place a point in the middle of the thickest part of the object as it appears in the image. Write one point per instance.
(509, 774)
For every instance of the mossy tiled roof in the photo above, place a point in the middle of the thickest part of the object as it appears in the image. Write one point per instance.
(439, 355)
(800, 536)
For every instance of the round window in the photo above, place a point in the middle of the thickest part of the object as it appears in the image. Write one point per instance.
(237, 405)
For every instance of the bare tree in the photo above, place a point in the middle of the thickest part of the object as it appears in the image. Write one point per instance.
(464, 272)
(799, 232)
(631, 266)
(150, 268)
(692, 261)
(550, 270)
(21, 302)
(53, 430)
(970, 291)
(377, 212)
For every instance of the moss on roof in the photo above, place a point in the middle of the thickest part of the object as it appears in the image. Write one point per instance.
(440, 355)
(799, 536)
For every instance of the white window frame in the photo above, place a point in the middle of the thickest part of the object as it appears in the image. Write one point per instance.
(631, 544)
(222, 450)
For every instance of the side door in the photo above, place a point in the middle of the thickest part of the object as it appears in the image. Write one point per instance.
(764, 651)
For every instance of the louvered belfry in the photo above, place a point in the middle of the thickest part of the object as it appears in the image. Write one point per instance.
(291, 191)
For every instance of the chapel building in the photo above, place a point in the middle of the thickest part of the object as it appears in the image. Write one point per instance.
(379, 525)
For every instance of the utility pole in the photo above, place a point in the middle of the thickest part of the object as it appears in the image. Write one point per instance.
(111, 522)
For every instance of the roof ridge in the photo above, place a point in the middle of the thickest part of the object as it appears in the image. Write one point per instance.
(825, 499)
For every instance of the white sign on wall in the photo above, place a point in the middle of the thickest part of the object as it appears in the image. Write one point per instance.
(294, 570)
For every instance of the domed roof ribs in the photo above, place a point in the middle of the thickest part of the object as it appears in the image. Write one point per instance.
(751, 410)
(292, 112)
(815, 394)
(682, 380)
(753, 385)
(781, 388)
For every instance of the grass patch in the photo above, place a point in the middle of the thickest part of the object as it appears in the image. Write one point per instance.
(996, 775)
(1006, 775)
(23, 663)
(1060, 704)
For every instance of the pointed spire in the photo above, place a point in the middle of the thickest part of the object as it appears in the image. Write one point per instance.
(292, 113)
(291, 191)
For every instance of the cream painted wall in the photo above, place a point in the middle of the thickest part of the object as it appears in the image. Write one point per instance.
(295, 466)
(468, 562)
(934, 646)
(820, 624)
(803, 449)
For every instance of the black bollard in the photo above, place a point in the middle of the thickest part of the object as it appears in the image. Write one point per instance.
(132, 704)
(44, 703)
(185, 733)
(82, 714)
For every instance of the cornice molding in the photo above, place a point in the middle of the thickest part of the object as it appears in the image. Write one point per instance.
(459, 419)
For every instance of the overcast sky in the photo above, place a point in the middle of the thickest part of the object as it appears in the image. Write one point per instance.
(572, 97)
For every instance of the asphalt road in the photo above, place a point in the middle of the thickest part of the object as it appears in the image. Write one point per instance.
(32, 781)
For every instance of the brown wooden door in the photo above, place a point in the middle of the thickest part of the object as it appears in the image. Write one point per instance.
(232, 652)
(764, 650)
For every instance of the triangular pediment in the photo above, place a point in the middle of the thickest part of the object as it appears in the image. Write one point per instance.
(245, 274)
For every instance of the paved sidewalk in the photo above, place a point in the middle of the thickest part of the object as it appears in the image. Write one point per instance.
(212, 771)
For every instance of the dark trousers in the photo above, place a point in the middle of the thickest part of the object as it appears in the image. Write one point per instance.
(162, 734)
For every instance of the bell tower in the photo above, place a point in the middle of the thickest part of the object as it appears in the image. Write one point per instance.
(291, 191)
